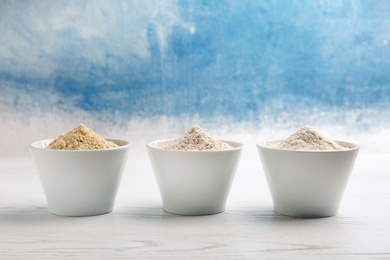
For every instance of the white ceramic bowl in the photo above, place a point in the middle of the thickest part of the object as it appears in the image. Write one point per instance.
(307, 184)
(80, 183)
(194, 182)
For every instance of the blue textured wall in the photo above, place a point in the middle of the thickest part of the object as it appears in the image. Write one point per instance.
(239, 59)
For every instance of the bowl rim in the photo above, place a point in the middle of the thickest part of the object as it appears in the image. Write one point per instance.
(264, 144)
(45, 142)
(152, 145)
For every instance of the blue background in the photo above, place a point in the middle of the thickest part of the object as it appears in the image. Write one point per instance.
(242, 60)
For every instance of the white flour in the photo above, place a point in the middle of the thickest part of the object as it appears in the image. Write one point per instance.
(196, 139)
(307, 139)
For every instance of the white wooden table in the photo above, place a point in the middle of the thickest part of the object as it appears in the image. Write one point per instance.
(248, 229)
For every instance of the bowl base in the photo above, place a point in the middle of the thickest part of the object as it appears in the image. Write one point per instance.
(305, 215)
(64, 214)
(203, 213)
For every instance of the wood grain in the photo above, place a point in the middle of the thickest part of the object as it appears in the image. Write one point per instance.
(249, 229)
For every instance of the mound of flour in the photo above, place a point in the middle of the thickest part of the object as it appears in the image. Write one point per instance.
(80, 138)
(307, 139)
(195, 139)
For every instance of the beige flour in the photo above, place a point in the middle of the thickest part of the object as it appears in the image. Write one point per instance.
(307, 139)
(80, 138)
(196, 139)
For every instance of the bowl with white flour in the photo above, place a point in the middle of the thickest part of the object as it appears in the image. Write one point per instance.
(80, 172)
(307, 173)
(194, 173)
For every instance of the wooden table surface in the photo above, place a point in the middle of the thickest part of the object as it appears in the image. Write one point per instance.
(249, 229)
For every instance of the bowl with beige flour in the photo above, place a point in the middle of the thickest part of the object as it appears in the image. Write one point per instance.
(194, 173)
(307, 173)
(80, 171)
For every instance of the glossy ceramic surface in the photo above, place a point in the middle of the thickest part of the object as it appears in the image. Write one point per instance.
(194, 182)
(80, 183)
(307, 183)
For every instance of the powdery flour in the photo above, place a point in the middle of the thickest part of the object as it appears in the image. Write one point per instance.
(307, 139)
(80, 138)
(195, 139)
